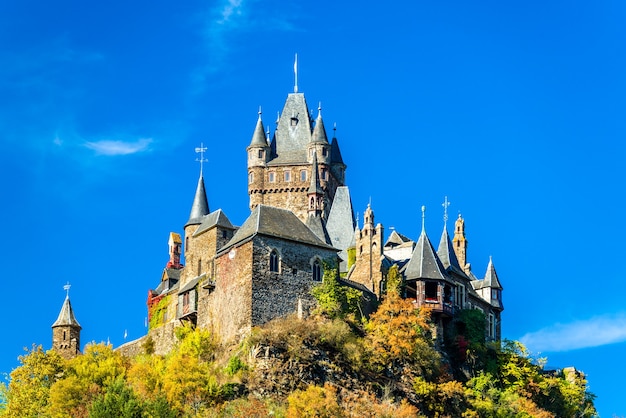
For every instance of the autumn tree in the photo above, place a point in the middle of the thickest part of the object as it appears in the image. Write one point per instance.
(29, 388)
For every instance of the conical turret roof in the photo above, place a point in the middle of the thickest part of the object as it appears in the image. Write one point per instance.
(424, 262)
(258, 137)
(315, 186)
(200, 206)
(491, 277)
(319, 133)
(66, 316)
(446, 251)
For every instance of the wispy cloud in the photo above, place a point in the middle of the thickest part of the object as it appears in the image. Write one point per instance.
(114, 147)
(593, 332)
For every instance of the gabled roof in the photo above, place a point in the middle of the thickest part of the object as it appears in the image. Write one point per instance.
(66, 316)
(340, 224)
(258, 137)
(424, 263)
(200, 206)
(395, 239)
(316, 224)
(275, 222)
(213, 219)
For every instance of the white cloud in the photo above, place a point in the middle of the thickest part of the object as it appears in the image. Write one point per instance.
(593, 332)
(112, 147)
(229, 10)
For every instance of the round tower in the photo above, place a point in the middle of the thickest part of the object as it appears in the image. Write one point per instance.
(258, 156)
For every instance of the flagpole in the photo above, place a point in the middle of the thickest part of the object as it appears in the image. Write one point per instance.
(295, 70)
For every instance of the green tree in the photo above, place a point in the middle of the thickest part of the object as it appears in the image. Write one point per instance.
(336, 300)
(118, 400)
(29, 388)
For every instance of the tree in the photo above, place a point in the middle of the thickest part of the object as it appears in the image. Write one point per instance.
(118, 400)
(336, 300)
(29, 388)
(398, 335)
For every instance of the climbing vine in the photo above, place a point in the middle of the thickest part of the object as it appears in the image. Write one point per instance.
(156, 312)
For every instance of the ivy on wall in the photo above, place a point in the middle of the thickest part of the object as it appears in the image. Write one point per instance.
(157, 311)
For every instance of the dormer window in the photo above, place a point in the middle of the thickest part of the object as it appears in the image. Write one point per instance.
(294, 120)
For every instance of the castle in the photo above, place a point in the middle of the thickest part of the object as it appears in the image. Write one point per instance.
(235, 278)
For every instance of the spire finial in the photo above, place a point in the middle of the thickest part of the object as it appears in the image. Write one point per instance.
(267, 134)
(357, 219)
(295, 71)
(67, 289)
(445, 205)
(319, 110)
(260, 111)
(202, 149)
(423, 218)
(335, 130)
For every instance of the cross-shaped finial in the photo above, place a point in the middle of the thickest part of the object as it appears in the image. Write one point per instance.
(67, 289)
(445, 205)
(201, 149)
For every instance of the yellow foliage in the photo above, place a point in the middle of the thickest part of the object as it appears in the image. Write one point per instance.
(314, 402)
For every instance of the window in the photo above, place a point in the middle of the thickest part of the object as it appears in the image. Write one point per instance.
(272, 177)
(251, 178)
(274, 261)
(494, 294)
(324, 152)
(324, 174)
(430, 291)
(461, 296)
(261, 153)
(287, 175)
(186, 244)
(317, 271)
(199, 266)
(224, 234)
(303, 175)
(492, 326)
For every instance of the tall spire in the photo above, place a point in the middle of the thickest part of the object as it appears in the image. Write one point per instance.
(319, 132)
(66, 329)
(315, 186)
(200, 205)
(258, 137)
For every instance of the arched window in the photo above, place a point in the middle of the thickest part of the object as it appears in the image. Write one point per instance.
(274, 261)
(251, 178)
(317, 271)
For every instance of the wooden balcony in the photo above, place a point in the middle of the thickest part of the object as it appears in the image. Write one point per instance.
(435, 306)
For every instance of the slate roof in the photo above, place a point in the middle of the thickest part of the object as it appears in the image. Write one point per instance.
(200, 206)
(190, 284)
(213, 219)
(319, 133)
(274, 222)
(316, 224)
(289, 136)
(424, 262)
(66, 316)
(395, 239)
(315, 186)
(335, 154)
(340, 224)
(447, 255)
(258, 137)
(490, 280)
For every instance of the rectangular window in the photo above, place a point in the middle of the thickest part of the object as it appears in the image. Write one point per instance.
(272, 177)
(492, 326)
(430, 291)
(287, 175)
(303, 175)
(324, 174)
(251, 178)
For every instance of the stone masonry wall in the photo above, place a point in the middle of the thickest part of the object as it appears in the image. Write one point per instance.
(276, 294)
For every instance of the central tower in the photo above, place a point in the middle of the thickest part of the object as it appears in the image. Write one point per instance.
(280, 170)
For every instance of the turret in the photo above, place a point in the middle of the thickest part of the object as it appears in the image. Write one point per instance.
(315, 193)
(258, 150)
(319, 141)
(66, 330)
(174, 244)
(460, 244)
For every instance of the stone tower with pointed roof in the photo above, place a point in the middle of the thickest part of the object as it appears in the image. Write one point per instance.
(280, 171)
(66, 332)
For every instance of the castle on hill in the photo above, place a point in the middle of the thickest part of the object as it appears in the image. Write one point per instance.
(302, 218)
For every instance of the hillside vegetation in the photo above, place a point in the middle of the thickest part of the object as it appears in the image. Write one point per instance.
(333, 364)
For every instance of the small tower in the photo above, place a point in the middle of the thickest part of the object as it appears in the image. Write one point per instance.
(315, 193)
(460, 244)
(199, 208)
(66, 330)
(175, 245)
(369, 250)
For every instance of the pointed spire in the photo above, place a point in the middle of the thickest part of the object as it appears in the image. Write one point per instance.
(319, 132)
(66, 316)
(446, 251)
(258, 137)
(315, 186)
(200, 206)
(491, 277)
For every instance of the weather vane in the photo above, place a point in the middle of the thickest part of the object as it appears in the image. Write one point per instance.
(295, 70)
(67, 289)
(202, 149)
(445, 205)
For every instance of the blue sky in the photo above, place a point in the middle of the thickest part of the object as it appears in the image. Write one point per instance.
(514, 111)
